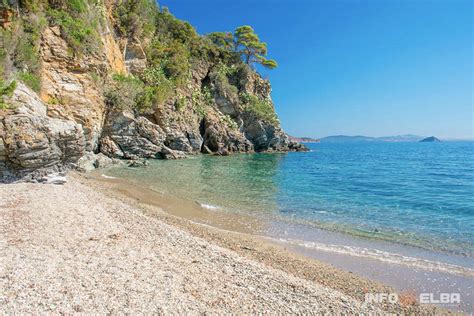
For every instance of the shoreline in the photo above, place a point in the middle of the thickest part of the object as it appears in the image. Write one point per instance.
(261, 248)
(408, 279)
(85, 247)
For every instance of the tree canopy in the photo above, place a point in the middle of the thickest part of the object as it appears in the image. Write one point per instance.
(246, 43)
(223, 39)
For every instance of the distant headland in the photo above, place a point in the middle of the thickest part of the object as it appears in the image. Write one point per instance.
(366, 139)
(407, 138)
(304, 139)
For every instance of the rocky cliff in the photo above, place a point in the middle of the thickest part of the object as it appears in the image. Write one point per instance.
(124, 79)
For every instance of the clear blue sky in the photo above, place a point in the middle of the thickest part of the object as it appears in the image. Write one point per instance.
(376, 68)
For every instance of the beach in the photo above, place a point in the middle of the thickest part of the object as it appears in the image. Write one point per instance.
(85, 247)
(148, 167)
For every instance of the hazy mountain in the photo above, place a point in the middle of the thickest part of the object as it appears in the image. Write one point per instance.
(367, 139)
(304, 139)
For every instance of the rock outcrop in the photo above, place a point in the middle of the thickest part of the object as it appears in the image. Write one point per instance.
(33, 144)
(70, 121)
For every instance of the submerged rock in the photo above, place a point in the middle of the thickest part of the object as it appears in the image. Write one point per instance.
(138, 163)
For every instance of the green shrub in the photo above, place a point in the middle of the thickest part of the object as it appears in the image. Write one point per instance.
(154, 76)
(158, 88)
(30, 5)
(180, 104)
(129, 92)
(221, 76)
(201, 99)
(207, 96)
(31, 80)
(200, 109)
(222, 39)
(152, 97)
(171, 28)
(229, 122)
(146, 99)
(6, 42)
(20, 42)
(172, 57)
(6, 90)
(53, 101)
(226, 70)
(79, 33)
(262, 108)
(136, 18)
(78, 6)
(123, 91)
(26, 55)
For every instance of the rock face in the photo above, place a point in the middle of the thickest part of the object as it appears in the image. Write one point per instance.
(129, 137)
(68, 86)
(70, 122)
(33, 144)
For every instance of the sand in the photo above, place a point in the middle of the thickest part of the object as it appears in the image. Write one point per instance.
(80, 247)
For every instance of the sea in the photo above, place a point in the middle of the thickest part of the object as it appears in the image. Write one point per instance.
(399, 213)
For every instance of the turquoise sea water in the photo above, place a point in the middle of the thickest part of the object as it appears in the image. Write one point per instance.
(416, 194)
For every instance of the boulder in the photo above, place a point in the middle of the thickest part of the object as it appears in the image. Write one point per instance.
(33, 143)
(126, 136)
(91, 161)
(178, 141)
(102, 161)
(220, 139)
(110, 148)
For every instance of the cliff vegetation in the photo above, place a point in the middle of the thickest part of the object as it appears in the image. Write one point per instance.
(126, 79)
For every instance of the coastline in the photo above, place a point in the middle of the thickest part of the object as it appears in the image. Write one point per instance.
(94, 235)
(356, 274)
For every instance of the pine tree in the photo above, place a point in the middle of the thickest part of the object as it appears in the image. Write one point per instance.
(248, 44)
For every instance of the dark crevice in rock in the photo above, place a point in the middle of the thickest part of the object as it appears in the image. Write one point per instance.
(206, 81)
(202, 127)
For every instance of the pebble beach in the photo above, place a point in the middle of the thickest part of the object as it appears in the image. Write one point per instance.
(81, 248)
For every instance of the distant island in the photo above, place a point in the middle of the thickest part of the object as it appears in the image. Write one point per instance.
(304, 139)
(362, 139)
(430, 139)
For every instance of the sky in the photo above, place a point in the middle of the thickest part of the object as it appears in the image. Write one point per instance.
(358, 67)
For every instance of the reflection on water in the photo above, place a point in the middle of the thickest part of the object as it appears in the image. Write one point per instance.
(241, 183)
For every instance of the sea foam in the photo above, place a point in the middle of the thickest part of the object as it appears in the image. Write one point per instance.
(209, 206)
(384, 256)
